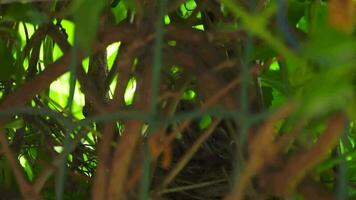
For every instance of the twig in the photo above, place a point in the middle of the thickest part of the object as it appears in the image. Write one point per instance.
(26, 189)
(188, 155)
(41, 82)
(192, 187)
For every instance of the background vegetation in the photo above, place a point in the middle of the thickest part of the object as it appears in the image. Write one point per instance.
(195, 99)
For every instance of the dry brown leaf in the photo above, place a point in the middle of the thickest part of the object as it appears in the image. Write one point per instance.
(342, 14)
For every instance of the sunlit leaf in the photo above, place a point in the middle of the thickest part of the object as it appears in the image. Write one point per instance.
(59, 94)
(130, 91)
(27, 167)
(120, 12)
(189, 95)
(112, 51)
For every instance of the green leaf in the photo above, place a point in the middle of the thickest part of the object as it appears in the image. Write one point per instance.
(186, 9)
(327, 91)
(263, 52)
(69, 28)
(296, 10)
(267, 96)
(86, 20)
(17, 123)
(6, 63)
(27, 167)
(130, 91)
(8, 67)
(130, 4)
(273, 78)
(48, 46)
(189, 95)
(277, 100)
(25, 13)
(329, 47)
(205, 122)
(6, 177)
(120, 12)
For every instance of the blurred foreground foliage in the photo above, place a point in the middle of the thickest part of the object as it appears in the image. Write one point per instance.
(192, 99)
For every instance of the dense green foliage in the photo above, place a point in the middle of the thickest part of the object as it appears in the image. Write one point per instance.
(178, 99)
